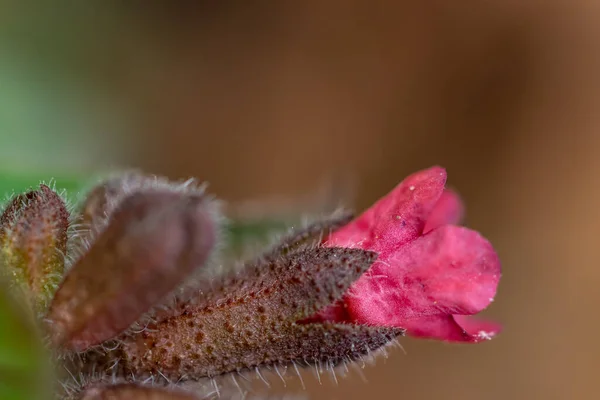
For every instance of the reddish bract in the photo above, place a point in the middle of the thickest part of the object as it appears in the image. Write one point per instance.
(430, 274)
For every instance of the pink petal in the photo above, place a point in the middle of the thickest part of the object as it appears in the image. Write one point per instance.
(337, 312)
(452, 328)
(485, 329)
(398, 217)
(449, 210)
(451, 270)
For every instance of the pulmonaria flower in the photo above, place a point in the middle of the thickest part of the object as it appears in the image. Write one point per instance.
(430, 274)
(134, 297)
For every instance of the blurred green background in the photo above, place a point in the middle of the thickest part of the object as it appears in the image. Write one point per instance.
(271, 99)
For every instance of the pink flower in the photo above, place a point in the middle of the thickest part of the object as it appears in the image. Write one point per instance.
(431, 274)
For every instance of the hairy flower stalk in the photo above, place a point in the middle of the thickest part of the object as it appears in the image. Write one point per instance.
(147, 302)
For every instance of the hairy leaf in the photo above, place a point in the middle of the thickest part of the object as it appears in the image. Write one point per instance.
(250, 320)
(22, 359)
(296, 285)
(248, 346)
(104, 199)
(154, 241)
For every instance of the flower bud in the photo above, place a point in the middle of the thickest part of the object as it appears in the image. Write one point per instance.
(33, 241)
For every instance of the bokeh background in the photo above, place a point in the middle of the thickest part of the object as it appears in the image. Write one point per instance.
(282, 99)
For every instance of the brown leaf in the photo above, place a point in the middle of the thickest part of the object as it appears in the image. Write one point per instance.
(295, 286)
(247, 348)
(334, 343)
(251, 321)
(154, 240)
(103, 199)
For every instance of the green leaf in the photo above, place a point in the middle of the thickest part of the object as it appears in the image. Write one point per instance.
(22, 357)
(242, 233)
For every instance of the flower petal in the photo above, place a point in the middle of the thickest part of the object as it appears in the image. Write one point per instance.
(449, 210)
(398, 217)
(481, 328)
(336, 312)
(451, 270)
(452, 328)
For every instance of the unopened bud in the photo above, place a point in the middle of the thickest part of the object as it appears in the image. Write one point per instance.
(33, 240)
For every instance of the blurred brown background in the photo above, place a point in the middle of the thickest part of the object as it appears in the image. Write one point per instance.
(273, 98)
